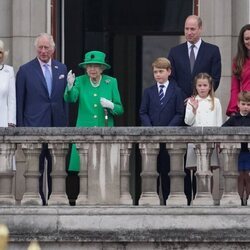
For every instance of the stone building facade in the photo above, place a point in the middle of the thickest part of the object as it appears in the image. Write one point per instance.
(22, 20)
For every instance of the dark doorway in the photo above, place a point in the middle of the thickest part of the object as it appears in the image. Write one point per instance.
(124, 31)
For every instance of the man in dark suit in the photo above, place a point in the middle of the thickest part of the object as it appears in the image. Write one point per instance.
(162, 105)
(189, 59)
(40, 86)
(207, 58)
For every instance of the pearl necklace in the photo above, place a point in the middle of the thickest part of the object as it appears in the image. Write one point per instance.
(2, 66)
(95, 84)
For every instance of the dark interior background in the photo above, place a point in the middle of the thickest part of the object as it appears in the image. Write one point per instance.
(119, 28)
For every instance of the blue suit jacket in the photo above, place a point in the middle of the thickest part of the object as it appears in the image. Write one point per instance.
(34, 106)
(208, 61)
(171, 113)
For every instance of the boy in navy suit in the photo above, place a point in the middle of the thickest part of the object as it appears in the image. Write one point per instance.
(162, 105)
(242, 118)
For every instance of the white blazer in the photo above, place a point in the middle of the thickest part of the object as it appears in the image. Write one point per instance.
(204, 117)
(7, 96)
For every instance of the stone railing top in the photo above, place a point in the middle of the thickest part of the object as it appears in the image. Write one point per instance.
(132, 134)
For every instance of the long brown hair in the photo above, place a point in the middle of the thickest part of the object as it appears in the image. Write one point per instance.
(241, 54)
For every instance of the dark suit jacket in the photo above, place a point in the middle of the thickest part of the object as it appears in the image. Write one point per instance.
(34, 106)
(171, 113)
(208, 61)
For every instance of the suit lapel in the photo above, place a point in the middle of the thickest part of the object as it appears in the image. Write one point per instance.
(169, 93)
(155, 94)
(185, 55)
(199, 57)
(54, 68)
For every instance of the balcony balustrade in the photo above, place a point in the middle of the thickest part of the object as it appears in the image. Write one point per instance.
(105, 163)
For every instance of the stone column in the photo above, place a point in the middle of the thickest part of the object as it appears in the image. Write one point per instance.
(58, 174)
(104, 173)
(176, 152)
(230, 153)
(83, 149)
(203, 174)
(149, 153)
(6, 173)
(125, 151)
(31, 195)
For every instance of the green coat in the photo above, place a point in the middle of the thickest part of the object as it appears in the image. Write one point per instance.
(90, 111)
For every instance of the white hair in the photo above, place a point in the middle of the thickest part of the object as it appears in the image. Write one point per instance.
(5, 52)
(48, 36)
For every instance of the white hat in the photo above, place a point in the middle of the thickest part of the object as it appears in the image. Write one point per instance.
(5, 52)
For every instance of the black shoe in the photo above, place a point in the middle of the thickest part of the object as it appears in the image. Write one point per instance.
(242, 202)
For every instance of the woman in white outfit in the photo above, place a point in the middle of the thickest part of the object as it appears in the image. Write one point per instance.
(7, 91)
(7, 98)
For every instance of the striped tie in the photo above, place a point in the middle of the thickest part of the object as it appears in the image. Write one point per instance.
(161, 93)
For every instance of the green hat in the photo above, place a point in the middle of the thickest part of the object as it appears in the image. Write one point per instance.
(94, 57)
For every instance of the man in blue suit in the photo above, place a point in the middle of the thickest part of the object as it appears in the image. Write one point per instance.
(189, 59)
(162, 105)
(207, 57)
(40, 86)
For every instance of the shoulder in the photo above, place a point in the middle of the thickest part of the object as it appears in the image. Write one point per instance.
(216, 100)
(109, 79)
(58, 64)
(209, 46)
(29, 64)
(150, 88)
(173, 85)
(8, 68)
(178, 48)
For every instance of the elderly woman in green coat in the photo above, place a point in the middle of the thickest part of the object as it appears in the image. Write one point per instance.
(98, 96)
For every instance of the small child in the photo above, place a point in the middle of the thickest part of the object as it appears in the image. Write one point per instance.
(242, 119)
(203, 109)
(162, 105)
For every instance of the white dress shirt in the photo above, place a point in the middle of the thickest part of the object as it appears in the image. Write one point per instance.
(164, 89)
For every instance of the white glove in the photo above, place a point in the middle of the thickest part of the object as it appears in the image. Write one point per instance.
(106, 103)
(70, 79)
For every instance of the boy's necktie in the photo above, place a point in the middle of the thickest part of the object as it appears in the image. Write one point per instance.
(48, 78)
(161, 93)
(192, 57)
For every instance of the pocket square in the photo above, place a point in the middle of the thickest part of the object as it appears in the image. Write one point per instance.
(61, 76)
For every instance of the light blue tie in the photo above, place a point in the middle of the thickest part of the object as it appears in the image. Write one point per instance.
(48, 78)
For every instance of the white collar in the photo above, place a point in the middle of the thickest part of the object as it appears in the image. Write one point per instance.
(165, 84)
(197, 45)
(43, 63)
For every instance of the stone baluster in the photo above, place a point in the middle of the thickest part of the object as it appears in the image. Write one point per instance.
(58, 174)
(149, 153)
(6, 173)
(203, 174)
(125, 151)
(176, 152)
(83, 149)
(32, 174)
(230, 152)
